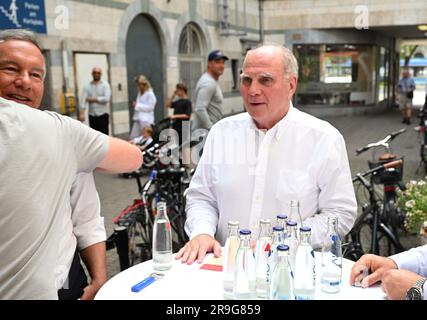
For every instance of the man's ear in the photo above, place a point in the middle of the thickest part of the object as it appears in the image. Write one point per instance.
(293, 81)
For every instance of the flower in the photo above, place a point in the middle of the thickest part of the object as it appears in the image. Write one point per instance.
(413, 201)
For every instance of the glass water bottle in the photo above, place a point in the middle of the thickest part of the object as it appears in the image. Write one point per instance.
(331, 268)
(162, 239)
(229, 258)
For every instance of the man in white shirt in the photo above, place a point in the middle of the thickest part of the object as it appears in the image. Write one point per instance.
(96, 96)
(22, 70)
(255, 163)
(402, 276)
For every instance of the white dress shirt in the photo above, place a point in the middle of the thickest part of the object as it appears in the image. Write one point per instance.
(82, 224)
(144, 107)
(247, 174)
(414, 260)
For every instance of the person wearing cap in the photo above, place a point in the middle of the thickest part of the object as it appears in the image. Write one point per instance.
(255, 163)
(208, 95)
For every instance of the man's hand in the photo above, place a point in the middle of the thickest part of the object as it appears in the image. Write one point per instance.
(90, 100)
(395, 283)
(91, 290)
(82, 117)
(197, 247)
(377, 266)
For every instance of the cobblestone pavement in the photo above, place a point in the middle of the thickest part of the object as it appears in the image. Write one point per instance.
(116, 192)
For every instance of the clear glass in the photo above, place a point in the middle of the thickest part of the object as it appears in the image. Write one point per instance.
(281, 280)
(261, 257)
(331, 268)
(162, 239)
(294, 213)
(244, 274)
(278, 238)
(304, 273)
(281, 220)
(292, 242)
(229, 258)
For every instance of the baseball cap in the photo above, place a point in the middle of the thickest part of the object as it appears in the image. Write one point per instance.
(216, 55)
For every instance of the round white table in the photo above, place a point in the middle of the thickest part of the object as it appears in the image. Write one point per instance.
(189, 282)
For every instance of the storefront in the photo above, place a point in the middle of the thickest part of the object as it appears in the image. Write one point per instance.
(342, 74)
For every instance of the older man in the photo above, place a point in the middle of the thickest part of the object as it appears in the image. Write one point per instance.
(44, 213)
(255, 163)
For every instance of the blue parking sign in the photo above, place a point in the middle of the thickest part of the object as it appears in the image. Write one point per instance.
(23, 14)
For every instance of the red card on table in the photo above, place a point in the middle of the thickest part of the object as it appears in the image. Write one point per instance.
(211, 267)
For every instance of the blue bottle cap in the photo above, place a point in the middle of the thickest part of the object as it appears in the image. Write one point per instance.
(291, 223)
(282, 247)
(282, 216)
(305, 229)
(245, 232)
(278, 228)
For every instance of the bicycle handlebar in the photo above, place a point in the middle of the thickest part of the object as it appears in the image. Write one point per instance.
(388, 165)
(383, 142)
(396, 133)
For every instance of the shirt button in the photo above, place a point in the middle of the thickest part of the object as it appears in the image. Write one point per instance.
(258, 198)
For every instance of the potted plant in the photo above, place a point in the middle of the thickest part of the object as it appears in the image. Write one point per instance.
(413, 201)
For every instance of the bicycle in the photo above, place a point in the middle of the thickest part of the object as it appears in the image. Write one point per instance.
(166, 182)
(371, 232)
(390, 179)
(422, 136)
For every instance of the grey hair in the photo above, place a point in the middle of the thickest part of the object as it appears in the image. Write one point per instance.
(289, 61)
(19, 34)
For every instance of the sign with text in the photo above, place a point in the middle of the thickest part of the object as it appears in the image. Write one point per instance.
(23, 14)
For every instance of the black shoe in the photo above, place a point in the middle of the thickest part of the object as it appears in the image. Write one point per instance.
(408, 121)
(404, 120)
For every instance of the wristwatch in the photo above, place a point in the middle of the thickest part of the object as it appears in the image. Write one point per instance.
(416, 292)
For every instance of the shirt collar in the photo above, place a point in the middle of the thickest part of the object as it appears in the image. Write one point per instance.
(279, 127)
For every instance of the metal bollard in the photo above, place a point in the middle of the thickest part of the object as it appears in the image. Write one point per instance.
(121, 241)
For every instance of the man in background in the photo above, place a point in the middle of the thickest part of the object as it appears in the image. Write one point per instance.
(96, 96)
(208, 96)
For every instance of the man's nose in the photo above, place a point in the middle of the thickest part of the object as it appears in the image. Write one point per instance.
(23, 80)
(254, 88)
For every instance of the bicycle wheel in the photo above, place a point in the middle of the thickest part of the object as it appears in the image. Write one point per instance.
(386, 246)
(139, 244)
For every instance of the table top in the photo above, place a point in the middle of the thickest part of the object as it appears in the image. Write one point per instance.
(190, 282)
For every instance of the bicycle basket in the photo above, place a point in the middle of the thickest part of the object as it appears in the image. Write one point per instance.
(389, 176)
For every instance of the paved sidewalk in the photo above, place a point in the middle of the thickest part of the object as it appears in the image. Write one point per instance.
(116, 193)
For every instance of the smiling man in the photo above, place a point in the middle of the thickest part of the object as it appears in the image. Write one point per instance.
(40, 257)
(255, 163)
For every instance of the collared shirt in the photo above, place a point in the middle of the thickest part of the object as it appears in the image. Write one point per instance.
(414, 260)
(102, 92)
(406, 85)
(247, 174)
(82, 224)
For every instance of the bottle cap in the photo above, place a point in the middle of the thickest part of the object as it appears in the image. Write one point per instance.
(282, 247)
(245, 232)
(291, 223)
(305, 229)
(282, 216)
(278, 228)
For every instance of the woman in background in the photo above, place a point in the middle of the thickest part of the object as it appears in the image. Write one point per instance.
(144, 107)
